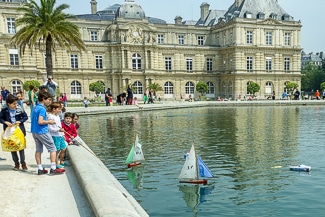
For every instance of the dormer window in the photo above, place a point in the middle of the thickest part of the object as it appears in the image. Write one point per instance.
(274, 16)
(286, 17)
(236, 14)
(261, 16)
(248, 15)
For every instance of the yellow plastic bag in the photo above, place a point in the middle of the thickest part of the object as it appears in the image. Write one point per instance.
(13, 139)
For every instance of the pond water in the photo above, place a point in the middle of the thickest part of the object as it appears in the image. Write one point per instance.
(248, 149)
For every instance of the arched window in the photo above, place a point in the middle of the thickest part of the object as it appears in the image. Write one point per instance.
(189, 88)
(136, 61)
(168, 88)
(268, 87)
(16, 85)
(75, 87)
(230, 89)
(210, 88)
(248, 83)
(138, 87)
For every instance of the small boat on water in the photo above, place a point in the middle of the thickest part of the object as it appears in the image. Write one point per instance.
(193, 169)
(301, 167)
(135, 156)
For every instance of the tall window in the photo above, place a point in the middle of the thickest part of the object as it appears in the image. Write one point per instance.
(209, 64)
(287, 39)
(74, 61)
(168, 63)
(286, 64)
(230, 89)
(99, 61)
(136, 61)
(268, 87)
(11, 25)
(189, 88)
(16, 85)
(181, 39)
(168, 88)
(268, 64)
(138, 87)
(210, 88)
(249, 63)
(200, 40)
(93, 35)
(268, 38)
(248, 83)
(285, 87)
(189, 64)
(249, 37)
(13, 54)
(75, 87)
(160, 38)
(230, 38)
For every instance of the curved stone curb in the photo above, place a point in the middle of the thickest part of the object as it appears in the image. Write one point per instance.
(104, 192)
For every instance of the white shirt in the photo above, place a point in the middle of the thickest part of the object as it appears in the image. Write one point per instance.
(54, 129)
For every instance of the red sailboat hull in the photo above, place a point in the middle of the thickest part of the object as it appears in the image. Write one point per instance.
(133, 164)
(195, 181)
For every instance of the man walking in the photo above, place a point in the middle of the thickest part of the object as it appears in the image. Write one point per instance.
(4, 94)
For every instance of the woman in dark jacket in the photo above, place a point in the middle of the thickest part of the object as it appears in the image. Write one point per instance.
(12, 114)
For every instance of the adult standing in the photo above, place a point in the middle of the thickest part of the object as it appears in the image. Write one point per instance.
(130, 95)
(296, 94)
(273, 95)
(317, 95)
(107, 96)
(51, 87)
(4, 94)
(323, 94)
(32, 98)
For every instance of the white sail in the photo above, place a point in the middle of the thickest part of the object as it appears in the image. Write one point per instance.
(189, 170)
(138, 155)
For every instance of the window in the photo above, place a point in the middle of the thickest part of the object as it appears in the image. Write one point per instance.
(248, 83)
(136, 61)
(249, 63)
(268, 64)
(224, 88)
(16, 85)
(74, 61)
(249, 37)
(230, 64)
(268, 38)
(168, 88)
(189, 64)
(75, 87)
(8, 0)
(268, 87)
(11, 25)
(287, 39)
(209, 64)
(230, 89)
(93, 36)
(285, 87)
(200, 40)
(189, 88)
(99, 61)
(160, 39)
(168, 63)
(230, 37)
(224, 64)
(218, 40)
(181, 39)
(138, 87)
(286, 64)
(210, 88)
(13, 54)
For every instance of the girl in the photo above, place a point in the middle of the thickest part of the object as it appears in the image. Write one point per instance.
(56, 132)
(70, 131)
(75, 119)
(10, 115)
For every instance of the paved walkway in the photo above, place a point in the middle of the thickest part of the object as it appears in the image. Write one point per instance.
(31, 195)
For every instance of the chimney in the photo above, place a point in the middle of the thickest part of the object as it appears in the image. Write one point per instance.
(93, 4)
(178, 20)
(238, 3)
(204, 10)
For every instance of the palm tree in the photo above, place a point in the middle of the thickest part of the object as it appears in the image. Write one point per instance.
(44, 24)
(155, 87)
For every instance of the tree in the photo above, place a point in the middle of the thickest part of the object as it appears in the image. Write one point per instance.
(97, 87)
(45, 25)
(35, 83)
(201, 87)
(253, 88)
(312, 77)
(155, 87)
(291, 86)
(322, 86)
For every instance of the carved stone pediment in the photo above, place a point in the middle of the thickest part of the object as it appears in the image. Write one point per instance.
(270, 21)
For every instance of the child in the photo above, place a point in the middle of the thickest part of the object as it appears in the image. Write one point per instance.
(86, 102)
(20, 100)
(135, 102)
(110, 100)
(56, 132)
(12, 114)
(70, 131)
(75, 119)
(41, 135)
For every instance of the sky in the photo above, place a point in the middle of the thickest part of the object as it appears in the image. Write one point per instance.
(308, 12)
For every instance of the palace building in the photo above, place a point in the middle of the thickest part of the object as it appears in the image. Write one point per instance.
(252, 41)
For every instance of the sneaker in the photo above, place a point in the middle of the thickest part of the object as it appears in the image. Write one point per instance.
(41, 172)
(16, 167)
(23, 165)
(64, 164)
(60, 166)
(57, 171)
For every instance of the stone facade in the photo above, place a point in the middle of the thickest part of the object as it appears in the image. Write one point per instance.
(225, 49)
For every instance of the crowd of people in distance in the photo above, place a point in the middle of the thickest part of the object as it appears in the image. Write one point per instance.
(51, 126)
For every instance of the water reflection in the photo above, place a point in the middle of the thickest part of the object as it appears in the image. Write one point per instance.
(135, 175)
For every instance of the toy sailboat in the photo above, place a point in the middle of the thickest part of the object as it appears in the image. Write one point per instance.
(193, 169)
(135, 156)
